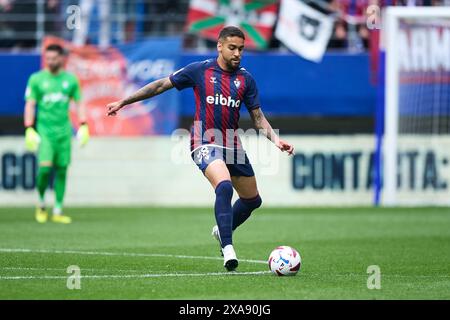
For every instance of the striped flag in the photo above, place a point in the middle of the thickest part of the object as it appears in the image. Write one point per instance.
(255, 18)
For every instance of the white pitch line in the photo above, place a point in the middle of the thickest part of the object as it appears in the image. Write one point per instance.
(64, 269)
(118, 276)
(127, 254)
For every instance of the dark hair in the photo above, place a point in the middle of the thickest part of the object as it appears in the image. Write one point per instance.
(56, 48)
(231, 31)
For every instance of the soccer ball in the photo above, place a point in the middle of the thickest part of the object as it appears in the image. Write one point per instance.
(285, 261)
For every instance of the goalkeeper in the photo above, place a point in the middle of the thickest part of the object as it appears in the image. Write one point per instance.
(50, 90)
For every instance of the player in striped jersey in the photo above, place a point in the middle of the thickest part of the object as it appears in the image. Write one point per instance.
(220, 86)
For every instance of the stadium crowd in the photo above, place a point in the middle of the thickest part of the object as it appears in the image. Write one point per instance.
(18, 20)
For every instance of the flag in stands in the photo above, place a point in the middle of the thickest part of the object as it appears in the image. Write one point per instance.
(256, 19)
(303, 29)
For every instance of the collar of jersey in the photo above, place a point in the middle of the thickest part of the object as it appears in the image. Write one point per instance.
(54, 75)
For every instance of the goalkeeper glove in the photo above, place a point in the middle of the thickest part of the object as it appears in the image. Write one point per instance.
(83, 134)
(32, 139)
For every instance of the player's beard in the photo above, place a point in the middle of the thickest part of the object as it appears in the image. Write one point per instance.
(54, 68)
(231, 66)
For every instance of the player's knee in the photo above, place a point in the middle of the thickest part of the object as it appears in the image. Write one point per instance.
(225, 189)
(45, 170)
(258, 201)
(61, 171)
(47, 164)
(253, 203)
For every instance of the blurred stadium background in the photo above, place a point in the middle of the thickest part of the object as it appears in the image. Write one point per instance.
(324, 84)
(328, 92)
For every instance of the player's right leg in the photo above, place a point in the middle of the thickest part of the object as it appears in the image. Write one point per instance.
(218, 175)
(45, 160)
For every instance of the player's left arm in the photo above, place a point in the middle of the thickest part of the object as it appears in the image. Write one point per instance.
(76, 97)
(83, 130)
(252, 101)
(81, 112)
(260, 122)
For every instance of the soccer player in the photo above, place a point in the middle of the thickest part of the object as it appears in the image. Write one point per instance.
(220, 86)
(50, 90)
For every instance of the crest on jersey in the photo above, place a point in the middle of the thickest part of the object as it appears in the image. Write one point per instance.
(65, 84)
(237, 83)
(213, 80)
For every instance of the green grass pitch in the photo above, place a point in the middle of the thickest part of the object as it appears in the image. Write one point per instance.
(168, 253)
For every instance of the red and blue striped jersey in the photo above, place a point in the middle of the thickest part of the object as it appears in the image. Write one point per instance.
(218, 98)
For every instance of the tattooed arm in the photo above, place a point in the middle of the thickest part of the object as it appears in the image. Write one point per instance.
(260, 122)
(150, 90)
